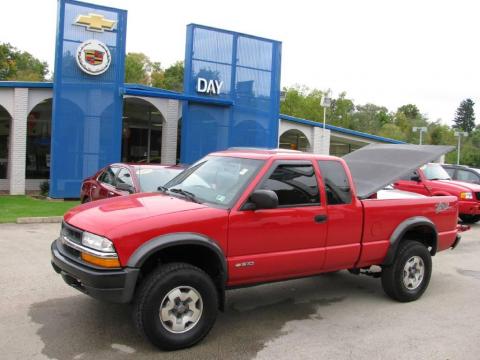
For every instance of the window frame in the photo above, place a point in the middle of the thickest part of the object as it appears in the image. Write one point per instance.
(120, 168)
(115, 169)
(278, 163)
(350, 183)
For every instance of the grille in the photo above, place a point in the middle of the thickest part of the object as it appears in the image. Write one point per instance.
(478, 195)
(72, 233)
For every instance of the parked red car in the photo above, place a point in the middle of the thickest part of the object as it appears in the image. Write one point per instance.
(122, 179)
(433, 180)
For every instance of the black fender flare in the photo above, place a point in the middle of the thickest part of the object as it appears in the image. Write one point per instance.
(156, 244)
(402, 229)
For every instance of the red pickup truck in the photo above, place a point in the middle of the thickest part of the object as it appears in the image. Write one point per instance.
(433, 180)
(241, 218)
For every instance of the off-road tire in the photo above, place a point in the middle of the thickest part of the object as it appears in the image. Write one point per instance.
(393, 275)
(154, 289)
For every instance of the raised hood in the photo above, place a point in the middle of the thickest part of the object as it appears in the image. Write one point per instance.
(377, 165)
(101, 216)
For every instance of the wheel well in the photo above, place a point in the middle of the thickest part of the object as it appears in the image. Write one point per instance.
(423, 234)
(196, 255)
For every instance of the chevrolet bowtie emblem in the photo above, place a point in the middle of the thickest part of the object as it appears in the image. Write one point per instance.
(95, 22)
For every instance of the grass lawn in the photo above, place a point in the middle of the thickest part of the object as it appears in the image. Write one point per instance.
(13, 206)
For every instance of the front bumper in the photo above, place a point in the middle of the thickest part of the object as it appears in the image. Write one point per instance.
(469, 207)
(109, 285)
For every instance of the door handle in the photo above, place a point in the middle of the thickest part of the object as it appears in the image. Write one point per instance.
(320, 218)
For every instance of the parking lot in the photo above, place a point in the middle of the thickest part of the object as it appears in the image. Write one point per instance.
(332, 316)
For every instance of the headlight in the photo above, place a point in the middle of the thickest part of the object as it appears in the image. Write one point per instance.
(97, 242)
(466, 195)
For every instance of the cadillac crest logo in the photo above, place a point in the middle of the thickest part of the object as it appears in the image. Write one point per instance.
(93, 57)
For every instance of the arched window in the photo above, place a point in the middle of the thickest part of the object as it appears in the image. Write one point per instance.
(39, 130)
(5, 125)
(294, 140)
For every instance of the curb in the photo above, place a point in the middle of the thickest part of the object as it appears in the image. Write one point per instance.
(39, 220)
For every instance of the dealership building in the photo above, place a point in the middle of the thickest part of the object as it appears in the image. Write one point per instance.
(63, 131)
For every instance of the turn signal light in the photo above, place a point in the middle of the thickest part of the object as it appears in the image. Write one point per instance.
(103, 262)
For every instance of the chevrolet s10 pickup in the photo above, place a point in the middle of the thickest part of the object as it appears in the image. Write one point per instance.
(243, 217)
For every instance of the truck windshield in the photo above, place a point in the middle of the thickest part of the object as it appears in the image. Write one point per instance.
(215, 179)
(435, 172)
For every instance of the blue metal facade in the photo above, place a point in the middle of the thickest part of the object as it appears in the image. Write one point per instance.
(249, 69)
(87, 109)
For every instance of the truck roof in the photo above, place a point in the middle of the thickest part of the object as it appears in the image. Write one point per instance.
(264, 154)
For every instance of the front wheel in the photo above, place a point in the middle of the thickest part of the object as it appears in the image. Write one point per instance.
(408, 277)
(176, 306)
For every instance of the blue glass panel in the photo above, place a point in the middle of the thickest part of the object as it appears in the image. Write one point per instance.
(250, 69)
(87, 109)
(254, 53)
(212, 45)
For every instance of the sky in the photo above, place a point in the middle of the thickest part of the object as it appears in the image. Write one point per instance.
(387, 52)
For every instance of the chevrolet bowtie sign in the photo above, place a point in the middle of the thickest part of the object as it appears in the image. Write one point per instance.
(95, 22)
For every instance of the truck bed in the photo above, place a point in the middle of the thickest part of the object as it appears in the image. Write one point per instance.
(382, 216)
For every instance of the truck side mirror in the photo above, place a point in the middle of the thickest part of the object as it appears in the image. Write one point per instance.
(262, 199)
(415, 178)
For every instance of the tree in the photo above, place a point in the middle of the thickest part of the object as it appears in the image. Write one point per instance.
(20, 65)
(171, 78)
(137, 68)
(465, 116)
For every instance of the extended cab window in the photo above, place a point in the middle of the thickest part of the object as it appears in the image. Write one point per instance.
(108, 176)
(294, 185)
(336, 182)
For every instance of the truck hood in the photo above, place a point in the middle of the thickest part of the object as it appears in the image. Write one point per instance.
(462, 186)
(101, 216)
(377, 165)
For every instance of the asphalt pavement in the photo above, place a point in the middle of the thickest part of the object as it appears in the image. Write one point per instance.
(332, 316)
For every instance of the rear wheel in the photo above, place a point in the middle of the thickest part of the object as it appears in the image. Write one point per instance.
(176, 306)
(408, 277)
(469, 219)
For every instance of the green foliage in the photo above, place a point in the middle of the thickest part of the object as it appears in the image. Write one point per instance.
(20, 65)
(465, 116)
(304, 103)
(139, 69)
(170, 79)
(44, 188)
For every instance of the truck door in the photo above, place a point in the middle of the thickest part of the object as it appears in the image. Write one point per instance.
(288, 241)
(345, 217)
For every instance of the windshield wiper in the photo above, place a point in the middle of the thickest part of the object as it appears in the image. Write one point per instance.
(187, 194)
(162, 189)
